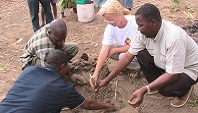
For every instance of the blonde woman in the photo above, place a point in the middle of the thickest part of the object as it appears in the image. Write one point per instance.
(125, 3)
(121, 29)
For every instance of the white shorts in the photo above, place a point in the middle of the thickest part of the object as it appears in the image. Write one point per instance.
(134, 63)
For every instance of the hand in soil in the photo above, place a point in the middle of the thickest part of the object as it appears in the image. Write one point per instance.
(97, 85)
(137, 97)
(101, 83)
(94, 83)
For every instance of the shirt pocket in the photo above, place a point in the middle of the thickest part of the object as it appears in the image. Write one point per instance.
(163, 57)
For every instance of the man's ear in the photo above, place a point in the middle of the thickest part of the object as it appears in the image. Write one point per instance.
(49, 31)
(154, 22)
(62, 66)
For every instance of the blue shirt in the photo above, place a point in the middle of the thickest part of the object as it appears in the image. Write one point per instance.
(40, 90)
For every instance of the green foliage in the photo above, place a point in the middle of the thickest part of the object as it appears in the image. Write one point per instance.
(170, 16)
(175, 6)
(176, 1)
(1, 66)
(185, 8)
(192, 103)
(189, 17)
(190, 9)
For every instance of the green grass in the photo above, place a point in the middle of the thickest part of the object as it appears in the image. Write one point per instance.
(190, 9)
(176, 1)
(192, 103)
(1, 66)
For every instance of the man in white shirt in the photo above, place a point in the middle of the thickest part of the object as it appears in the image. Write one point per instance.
(168, 57)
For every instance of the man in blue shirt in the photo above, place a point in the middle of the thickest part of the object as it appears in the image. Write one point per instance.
(43, 90)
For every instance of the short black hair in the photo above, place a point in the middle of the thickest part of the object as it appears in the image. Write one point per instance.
(56, 58)
(149, 12)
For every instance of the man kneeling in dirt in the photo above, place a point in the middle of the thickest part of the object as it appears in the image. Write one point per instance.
(50, 37)
(43, 90)
(168, 57)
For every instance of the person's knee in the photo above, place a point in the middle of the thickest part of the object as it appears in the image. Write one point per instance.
(168, 92)
(76, 49)
(121, 55)
(73, 50)
(163, 92)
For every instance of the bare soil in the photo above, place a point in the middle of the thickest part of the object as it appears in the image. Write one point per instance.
(16, 30)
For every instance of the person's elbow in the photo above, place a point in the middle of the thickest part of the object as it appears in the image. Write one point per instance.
(128, 57)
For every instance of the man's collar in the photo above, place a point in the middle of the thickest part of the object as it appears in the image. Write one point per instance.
(47, 34)
(160, 32)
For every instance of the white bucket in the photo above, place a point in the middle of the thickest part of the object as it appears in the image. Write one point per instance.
(85, 12)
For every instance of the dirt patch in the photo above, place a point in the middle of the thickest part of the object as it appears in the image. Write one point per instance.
(16, 30)
(192, 29)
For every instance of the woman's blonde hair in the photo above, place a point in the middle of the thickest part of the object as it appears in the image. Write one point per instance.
(114, 7)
